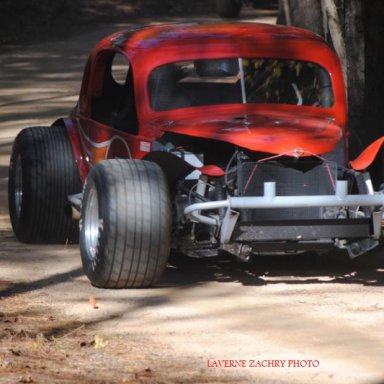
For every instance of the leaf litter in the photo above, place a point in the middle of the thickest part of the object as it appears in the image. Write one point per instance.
(38, 345)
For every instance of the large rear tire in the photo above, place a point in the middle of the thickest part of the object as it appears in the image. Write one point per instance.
(228, 8)
(42, 174)
(125, 225)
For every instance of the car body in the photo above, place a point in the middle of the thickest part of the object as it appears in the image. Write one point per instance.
(242, 130)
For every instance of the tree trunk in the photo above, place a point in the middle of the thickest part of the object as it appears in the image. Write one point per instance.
(354, 41)
(372, 121)
(301, 13)
(374, 74)
(355, 28)
(333, 31)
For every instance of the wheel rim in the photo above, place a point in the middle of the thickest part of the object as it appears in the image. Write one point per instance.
(91, 223)
(18, 192)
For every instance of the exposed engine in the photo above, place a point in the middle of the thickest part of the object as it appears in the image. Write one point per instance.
(291, 226)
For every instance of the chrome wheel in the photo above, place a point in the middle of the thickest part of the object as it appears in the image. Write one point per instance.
(18, 191)
(91, 223)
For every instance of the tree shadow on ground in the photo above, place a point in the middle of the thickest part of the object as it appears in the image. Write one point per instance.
(306, 268)
(10, 288)
(184, 272)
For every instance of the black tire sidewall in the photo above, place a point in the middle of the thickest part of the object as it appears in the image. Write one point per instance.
(19, 221)
(49, 175)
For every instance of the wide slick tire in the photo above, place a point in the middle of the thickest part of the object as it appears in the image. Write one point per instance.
(125, 225)
(228, 8)
(42, 174)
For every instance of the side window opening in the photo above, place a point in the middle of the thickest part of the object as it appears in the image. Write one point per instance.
(115, 105)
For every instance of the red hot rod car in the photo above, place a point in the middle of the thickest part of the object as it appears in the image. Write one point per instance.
(203, 139)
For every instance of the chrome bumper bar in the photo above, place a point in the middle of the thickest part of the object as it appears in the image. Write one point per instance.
(341, 198)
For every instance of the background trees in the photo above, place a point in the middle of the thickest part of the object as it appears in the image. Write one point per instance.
(355, 29)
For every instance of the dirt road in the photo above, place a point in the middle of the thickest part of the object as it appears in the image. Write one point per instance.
(292, 319)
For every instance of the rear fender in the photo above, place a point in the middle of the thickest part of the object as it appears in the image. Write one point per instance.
(174, 167)
(83, 165)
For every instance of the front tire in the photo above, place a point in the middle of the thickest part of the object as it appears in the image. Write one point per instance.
(125, 226)
(42, 174)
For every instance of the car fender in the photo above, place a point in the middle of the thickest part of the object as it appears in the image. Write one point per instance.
(81, 159)
(366, 158)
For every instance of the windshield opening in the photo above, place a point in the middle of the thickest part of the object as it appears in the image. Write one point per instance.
(239, 81)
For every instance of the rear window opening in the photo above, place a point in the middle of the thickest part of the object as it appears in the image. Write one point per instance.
(239, 81)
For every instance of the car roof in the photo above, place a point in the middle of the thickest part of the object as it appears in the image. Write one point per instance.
(156, 35)
(152, 46)
(169, 41)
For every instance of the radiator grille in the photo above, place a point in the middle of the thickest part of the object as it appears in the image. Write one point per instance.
(292, 179)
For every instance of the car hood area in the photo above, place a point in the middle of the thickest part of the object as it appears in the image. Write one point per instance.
(279, 133)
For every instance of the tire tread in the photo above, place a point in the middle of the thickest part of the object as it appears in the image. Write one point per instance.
(136, 212)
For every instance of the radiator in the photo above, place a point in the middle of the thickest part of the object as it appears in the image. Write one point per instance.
(292, 178)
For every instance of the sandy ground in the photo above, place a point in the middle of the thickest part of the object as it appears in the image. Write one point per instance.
(294, 319)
